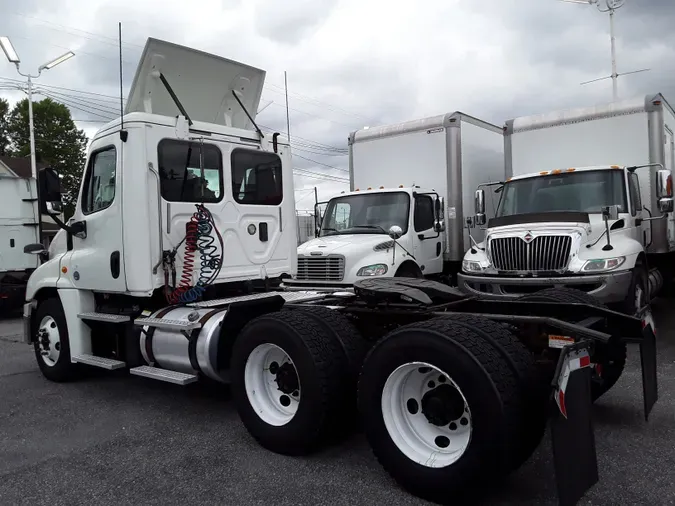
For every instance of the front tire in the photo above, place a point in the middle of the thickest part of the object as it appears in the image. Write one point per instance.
(440, 409)
(287, 378)
(52, 346)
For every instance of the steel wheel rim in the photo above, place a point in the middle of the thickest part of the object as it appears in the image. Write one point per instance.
(267, 390)
(49, 341)
(430, 444)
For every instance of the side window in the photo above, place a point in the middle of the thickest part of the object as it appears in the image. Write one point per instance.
(181, 175)
(99, 183)
(634, 190)
(424, 213)
(256, 178)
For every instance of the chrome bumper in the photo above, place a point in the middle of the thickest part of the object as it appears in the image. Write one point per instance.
(27, 313)
(608, 288)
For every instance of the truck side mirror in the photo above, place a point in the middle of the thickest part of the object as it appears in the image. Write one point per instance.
(439, 210)
(49, 185)
(317, 220)
(479, 204)
(664, 191)
(395, 232)
(610, 213)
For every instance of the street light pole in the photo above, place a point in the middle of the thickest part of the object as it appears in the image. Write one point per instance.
(31, 128)
(13, 57)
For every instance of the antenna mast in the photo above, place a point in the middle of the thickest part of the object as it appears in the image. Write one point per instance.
(611, 7)
(123, 133)
(288, 116)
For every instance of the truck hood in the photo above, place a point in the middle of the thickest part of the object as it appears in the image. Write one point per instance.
(589, 231)
(348, 244)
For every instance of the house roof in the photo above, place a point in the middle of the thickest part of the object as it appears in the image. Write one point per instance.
(20, 165)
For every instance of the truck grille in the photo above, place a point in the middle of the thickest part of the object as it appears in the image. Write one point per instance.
(330, 268)
(544, 253)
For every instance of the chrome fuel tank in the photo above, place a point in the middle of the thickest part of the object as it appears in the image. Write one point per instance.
(189, 352)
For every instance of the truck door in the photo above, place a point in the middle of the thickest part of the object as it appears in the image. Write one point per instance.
(96, 261)
(428, 243)
(258, 194)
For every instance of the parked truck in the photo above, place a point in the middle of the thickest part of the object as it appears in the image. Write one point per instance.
(184, 215)
(584, 205)
(19, 226)
(418, 177)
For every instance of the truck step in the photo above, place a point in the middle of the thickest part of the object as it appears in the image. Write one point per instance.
(163, 323)
(177, 378)
(102, 362)
(104, 317)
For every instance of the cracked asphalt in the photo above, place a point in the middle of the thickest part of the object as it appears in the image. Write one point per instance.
(118, 439)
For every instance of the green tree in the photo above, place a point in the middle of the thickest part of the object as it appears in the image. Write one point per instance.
(4, 120)
(58, 143)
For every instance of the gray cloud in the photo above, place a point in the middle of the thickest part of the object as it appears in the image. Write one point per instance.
(290, 22)
(495, 59)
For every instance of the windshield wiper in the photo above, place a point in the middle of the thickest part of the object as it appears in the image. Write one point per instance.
(374, 227)
(330, 230)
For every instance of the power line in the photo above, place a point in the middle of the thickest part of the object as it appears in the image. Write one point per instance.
(319, 163)
(112, 41)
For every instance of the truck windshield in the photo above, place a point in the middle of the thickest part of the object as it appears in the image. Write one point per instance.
(370, 213)
(587, 191)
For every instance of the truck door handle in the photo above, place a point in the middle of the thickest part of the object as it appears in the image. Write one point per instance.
(262, 231)
(115, 264)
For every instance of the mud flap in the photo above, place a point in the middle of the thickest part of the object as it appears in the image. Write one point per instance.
(648, 361)
(574, 453)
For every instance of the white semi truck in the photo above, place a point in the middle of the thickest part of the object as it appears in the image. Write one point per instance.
(563, 170)
(19, 227)
(185, 208)
(418, 177)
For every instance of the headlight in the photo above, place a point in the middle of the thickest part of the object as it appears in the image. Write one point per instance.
(472, 266)
(372, 270)
(603, 264)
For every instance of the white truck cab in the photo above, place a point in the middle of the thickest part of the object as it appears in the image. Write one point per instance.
(365, 233)
(580, 228)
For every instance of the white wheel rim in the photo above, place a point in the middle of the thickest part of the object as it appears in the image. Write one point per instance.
(267, 377)
(436, 444)
(49, 341)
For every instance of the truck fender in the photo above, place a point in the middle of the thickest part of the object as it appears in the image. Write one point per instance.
(409, 267)
(237, 316)
(45, 276)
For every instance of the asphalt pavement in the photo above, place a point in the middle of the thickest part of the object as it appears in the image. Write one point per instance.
(118, 439)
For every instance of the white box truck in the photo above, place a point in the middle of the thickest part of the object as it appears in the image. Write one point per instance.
(419, 177)
(19, 227)
(564, 169)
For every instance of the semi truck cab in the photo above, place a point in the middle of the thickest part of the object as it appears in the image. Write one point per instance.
(583, 228)
(369, 233)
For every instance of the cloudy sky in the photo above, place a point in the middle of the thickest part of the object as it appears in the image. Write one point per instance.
(353, 63)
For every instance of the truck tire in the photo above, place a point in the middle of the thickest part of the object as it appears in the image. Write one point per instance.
(440, 408)
(610, 358)
(337, 324)
(52, 347)
(638, 293)
(353, 346)
(533, 384)
(287, 381)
